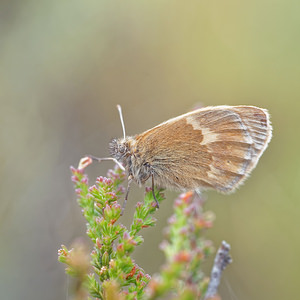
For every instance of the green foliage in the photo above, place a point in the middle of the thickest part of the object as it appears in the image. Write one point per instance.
(109, 272)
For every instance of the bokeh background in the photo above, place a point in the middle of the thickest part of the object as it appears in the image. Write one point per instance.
(64, 65)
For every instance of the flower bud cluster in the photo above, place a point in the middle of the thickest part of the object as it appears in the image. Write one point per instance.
(112, 270)
(185, 249)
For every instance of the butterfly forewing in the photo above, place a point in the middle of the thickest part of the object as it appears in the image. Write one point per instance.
(214, 147)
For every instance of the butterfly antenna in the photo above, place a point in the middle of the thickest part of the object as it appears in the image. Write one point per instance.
(121, 119)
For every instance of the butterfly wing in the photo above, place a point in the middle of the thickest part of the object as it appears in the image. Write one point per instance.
(213, 147)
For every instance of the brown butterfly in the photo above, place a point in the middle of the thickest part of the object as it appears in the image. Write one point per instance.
(209, 148)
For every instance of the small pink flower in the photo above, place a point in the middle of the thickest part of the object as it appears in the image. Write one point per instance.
(78, 191)
(148, 189)
(126, 235)
(92, 189)
(186, 197)
(74, 178)
(98, 243)
(84, 180)
(99, 179)
(139, 204)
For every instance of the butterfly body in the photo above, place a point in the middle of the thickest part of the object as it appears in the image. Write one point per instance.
(209, 148)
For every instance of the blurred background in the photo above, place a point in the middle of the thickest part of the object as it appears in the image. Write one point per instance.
(64, 67)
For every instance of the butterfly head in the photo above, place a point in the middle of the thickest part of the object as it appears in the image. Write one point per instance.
(119, 149)
(125, 151)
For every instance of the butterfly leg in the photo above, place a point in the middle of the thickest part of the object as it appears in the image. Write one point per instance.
(126, 195)
(153, 192)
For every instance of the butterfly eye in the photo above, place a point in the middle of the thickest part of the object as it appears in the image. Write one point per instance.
(121, 148)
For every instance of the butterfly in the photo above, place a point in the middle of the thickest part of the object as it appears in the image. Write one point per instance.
(214, 147)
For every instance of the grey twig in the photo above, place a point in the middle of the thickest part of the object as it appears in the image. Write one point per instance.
(222, 259)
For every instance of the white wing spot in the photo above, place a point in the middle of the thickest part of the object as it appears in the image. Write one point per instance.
(208, 135)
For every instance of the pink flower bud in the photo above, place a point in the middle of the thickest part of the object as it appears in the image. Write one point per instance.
(186, 197)
(100, 179)
(153, 204)
(74, 178)
(98, 243)
(78, 191)
(108, 181)
(148, 189)
(126, 235)
(73, 170)
(139, 204)
(112, 195)
(84, 180)
(183, 256)
(92, 189)
(120, 248)
(116, 206)
(84, 162)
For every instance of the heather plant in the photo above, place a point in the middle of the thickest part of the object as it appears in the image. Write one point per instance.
(109, 271)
